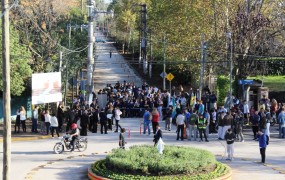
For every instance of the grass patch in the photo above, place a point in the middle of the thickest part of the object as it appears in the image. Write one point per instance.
(274, 83)
(143, 162)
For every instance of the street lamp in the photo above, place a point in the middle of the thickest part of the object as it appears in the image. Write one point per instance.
(229, 35)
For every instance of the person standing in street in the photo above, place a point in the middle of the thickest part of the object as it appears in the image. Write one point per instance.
(110, 53)
(122, 141)
(47, 121)
(202, 123)
(262, 138)
(60, 116)
(180, 122)
(54, 125)
(22, 114)
(228, 122)
(168, 120)
(146, 121)
(118, 113)
(192, 126)
(35, 116)
(103, 121)
(157, 135)
(281, 121)
(155, 119)
(230, 138)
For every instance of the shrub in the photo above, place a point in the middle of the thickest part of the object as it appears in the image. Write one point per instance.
(223, 86)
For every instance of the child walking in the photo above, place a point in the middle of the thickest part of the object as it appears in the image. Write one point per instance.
(122, 141)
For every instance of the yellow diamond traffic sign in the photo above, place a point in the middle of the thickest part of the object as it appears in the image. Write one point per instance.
(169, 77)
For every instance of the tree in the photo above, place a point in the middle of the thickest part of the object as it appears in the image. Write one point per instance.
(20, 68)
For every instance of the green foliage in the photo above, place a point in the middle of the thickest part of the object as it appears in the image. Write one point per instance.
(274, 83)
(175, 160)
(20, 70)
(175, 163)
(223, 86)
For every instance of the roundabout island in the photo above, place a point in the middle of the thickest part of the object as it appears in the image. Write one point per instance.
(144, 162)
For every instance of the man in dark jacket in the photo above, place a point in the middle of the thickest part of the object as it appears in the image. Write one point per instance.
(230, 138)
(103, 121)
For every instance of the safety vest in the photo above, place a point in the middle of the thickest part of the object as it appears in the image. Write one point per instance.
(202, 123)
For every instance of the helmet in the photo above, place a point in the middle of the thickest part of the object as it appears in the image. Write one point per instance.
(73, 126)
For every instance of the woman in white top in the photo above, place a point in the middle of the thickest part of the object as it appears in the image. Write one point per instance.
(47, 121)
(118, 113)
(22, 114)
(54, 125)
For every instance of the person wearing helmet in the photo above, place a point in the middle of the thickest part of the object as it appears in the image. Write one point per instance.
(74, 133)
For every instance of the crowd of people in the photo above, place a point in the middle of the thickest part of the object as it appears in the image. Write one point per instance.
(192, 118)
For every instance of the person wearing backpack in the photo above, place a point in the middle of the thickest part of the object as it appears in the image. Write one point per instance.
(281, 121)
(192, 125)
(263, 142)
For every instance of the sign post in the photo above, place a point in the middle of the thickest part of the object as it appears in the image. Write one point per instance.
(170, 77)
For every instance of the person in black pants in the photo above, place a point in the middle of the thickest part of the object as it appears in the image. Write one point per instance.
(95, 117)
(263, 141)
(103, 121)
(83, 123)
(157, 135)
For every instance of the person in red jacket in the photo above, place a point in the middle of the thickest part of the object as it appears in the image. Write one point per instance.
(155, 119)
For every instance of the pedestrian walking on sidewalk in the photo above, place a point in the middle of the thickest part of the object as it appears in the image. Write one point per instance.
(103, 121)
(180, 122)
(155, 119)
(230, 138)
(157, 135)
(118, 113)
(110, 54)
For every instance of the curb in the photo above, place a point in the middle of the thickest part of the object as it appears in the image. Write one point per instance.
(14, 139)
(93, 176)
(227, 176)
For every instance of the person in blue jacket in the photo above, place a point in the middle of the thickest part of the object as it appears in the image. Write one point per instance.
(262, 138)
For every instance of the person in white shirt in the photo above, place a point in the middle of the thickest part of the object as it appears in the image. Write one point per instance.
(47, 121)
(180, 122)
(22, 114)
(54, 125)
(118, 113)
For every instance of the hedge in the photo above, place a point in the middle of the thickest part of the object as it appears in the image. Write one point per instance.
(143, 162)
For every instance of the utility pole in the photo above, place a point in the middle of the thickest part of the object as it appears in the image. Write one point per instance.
(6, 91)
(231, 70)
(150, 45)
(164, 59)
(66, 67)
(90, 59)
(201, 66)
(144, 39)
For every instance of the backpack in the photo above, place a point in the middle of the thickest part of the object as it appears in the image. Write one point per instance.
(267, 140)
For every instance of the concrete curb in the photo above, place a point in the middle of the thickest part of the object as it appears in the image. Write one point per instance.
(93, 176)
(14, 139)
(227, 176)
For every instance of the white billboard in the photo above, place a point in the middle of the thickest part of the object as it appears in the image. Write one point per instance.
(46, 88)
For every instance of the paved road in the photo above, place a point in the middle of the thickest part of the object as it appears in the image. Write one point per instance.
(36, 160)
(110, 70)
